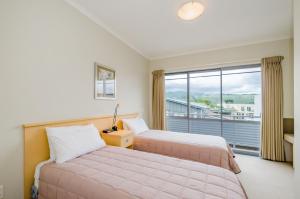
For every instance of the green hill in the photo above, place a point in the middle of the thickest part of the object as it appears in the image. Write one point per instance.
(213, 99)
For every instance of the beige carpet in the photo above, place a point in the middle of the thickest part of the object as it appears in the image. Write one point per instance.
(264, 179)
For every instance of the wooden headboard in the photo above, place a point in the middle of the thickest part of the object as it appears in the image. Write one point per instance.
(36, 147)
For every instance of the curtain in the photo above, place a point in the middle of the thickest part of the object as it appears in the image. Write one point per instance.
(272, 109)
(158, 100)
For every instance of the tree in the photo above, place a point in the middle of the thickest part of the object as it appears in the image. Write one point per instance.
(229, 101)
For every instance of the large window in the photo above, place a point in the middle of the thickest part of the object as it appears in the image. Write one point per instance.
(224, 102)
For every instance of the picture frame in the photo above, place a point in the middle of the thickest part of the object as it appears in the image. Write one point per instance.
(105, 82)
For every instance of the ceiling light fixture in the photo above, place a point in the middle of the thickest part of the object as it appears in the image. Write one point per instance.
(190, 10)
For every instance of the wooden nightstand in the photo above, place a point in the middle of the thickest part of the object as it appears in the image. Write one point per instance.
(121, 138)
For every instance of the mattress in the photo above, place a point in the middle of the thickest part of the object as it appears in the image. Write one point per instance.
(212, 150)
(117, 173)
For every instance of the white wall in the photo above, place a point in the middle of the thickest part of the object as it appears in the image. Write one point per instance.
(297, 93)
(47, 55)
(234, 56)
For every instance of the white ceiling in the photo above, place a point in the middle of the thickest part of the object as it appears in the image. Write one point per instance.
(152, 27)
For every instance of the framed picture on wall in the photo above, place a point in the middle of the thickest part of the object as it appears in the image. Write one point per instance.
(105, 82)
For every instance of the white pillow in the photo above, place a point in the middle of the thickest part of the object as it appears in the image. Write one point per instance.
(69, 142)
(136, 125)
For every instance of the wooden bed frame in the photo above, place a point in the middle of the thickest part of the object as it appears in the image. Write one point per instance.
(36, 147)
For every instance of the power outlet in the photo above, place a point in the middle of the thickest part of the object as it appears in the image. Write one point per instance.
(1, 191)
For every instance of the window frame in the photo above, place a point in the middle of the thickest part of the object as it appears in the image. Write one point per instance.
(219, 69)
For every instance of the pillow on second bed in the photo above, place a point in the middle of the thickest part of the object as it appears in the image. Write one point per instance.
(69, 142)
(136, 125)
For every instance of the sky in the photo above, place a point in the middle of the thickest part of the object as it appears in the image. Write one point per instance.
(246, 83)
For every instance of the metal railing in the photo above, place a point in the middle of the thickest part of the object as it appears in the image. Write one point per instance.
(240, 133)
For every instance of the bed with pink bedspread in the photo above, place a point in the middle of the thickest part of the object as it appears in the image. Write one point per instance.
(117, 173)
(212, 150)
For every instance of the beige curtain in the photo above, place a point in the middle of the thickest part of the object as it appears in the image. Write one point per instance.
(272, 109)
(158, 100)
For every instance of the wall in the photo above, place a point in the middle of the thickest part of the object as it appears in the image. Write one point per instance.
(297, 93)
(47, 54)
(234, 56)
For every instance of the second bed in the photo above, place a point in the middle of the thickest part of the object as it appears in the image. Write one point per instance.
(212, 150)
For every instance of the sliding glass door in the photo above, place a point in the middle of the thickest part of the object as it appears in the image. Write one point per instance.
(205, 102)
(241, 102)
(224, 102)
(177, 102)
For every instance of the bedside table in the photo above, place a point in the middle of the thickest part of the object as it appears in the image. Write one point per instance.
(121, 138)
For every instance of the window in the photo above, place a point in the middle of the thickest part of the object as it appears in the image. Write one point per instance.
(224, 102)
(176, 105)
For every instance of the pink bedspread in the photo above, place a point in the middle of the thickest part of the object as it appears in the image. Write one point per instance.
(118, 173)
(212, 150)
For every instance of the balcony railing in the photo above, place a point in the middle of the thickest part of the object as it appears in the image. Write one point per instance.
(243, 134)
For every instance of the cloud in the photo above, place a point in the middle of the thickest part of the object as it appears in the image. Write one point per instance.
(242, 83)
(232, 84)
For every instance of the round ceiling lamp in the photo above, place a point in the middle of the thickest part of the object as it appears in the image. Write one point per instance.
(190, 10)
